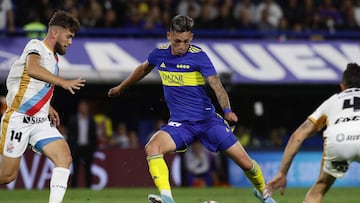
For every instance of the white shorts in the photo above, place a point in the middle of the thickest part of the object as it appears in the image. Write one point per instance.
(19, 130)
(339, 151)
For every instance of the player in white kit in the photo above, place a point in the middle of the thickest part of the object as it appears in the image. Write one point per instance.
(340, 114)
(29, 118)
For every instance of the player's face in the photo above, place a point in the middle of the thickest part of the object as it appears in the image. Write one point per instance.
(64, 40)
(180, 42)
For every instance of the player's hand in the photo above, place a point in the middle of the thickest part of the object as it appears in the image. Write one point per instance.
(114, 92)
(72, 85)
(54, 117)
(279, 181)
(231, 117)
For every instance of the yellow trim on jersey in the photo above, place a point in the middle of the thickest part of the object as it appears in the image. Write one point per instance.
(320, 122)
(24, 82)
(182, 78)
(193, 49)
(164, 46)
(324, 154)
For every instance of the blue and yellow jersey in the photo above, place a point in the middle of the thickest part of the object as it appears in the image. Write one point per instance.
(183, 78)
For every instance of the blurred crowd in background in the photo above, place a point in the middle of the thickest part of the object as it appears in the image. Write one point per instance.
(259, 15)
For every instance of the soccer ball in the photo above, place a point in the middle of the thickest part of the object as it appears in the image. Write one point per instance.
(211, 201)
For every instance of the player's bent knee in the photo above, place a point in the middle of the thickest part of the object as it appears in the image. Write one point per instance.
(63, 160)
(7, 177)
(67, 160)
(151, 149)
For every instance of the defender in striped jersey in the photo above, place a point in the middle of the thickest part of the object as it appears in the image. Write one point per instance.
(340, 114)
(29, 118)
(184, 70)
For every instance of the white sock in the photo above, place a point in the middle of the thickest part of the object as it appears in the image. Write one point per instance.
(166, 193)
(58, 184)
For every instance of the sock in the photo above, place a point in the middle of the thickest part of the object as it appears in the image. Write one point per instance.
(58, 184)
(160, 174)
(256, 177)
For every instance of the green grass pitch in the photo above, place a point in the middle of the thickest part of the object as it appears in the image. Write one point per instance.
(182, 195)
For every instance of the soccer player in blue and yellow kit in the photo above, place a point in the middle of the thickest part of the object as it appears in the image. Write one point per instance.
(184, 69)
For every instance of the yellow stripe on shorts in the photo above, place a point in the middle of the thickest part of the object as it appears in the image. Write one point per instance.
(4, 127)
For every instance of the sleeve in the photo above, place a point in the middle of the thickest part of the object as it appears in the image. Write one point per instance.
(33, 47)
(205, 65)
(151, 58)
(319, 116)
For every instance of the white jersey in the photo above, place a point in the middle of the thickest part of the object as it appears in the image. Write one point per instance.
(341, 115)
(28, 95)
(26, 118)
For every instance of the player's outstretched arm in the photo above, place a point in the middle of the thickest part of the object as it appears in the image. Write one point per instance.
(140, 72)
(304, 131)
(34, 70)
(222, 97)
(72, 85)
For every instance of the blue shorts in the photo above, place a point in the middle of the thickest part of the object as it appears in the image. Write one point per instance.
(214, 133)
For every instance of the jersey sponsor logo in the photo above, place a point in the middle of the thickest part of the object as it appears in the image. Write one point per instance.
(347, 119)
(182, 78)
(352, 137)
(34, 119)
(173, 79)
(341, 137)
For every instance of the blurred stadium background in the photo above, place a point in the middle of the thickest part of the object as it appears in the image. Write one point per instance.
(278, 59)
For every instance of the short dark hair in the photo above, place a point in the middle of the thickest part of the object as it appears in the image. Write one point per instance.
(181, 23)
(351, 75)
(64, 20)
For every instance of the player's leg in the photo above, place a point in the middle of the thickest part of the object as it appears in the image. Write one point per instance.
(58, 152)
(219, 132)
(250, 167)
(9, 169)
(14, 137)
(160, 144)
(319, 189)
